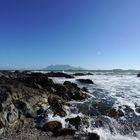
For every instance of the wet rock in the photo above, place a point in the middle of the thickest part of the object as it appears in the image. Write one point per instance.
(89, 73)
(60, 88)
(74, 92)
(99, 123)
(84, 89)
(128, 109)
(52, 126)
(85, 81)
(93, 136)
(65, 131)
(59, 74)
(82, 74)
(61, 91)
(74, 121)
(99, 109)
(138, 75)
(71, 85)
(138, 109)
(56, 105)
(115, 113)
(79, 74)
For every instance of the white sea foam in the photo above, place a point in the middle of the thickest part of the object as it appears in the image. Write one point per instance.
(122, 89)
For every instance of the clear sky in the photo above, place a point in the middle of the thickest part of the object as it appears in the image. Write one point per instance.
(94, 34)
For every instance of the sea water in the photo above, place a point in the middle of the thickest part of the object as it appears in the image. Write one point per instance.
(114, 89)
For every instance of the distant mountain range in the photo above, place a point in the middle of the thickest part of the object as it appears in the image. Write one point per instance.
(62, 67)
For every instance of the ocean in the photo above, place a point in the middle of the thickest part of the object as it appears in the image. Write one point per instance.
(119, 90)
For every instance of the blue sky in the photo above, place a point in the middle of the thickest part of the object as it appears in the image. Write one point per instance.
(94, 34)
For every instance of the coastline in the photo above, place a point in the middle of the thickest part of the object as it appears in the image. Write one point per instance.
(36, 106)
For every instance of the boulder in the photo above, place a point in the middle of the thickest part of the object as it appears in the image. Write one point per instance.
(60, 88)
(65, 131)
(59, 74)
(52, 126)
(85, 81)
(74, 92)
(137, 109)
(71, 85)
(93, 136)
(115, 113)
(138, 75)
(74, 121)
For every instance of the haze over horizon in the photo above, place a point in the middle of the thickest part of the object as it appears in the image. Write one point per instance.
(93, 34)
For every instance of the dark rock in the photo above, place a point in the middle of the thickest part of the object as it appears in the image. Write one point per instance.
(1, 124)
(99, 123)
(60, 88)
(82, 74)
(100, 108)
(138, 75)
(65, 131)
(17, 71)
(76, 95)
(74, 92)
(79, 74)
(61, 91)
(52, 126)
(59, 74)
(40, 111)
(89, 73)
(71, 85)
(127, 109)
(115, 113)
(1, 107)
(93, 136)
(74, 121)
(85, 81)
(84, 89)
(37, 78)
(3, 95)
(56, 105)
(138, 109)
(20, 105)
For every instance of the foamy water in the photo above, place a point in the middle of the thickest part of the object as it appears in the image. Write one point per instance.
(115, 90)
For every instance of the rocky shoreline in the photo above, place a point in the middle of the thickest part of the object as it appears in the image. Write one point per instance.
(32, 106)
(27, 99)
